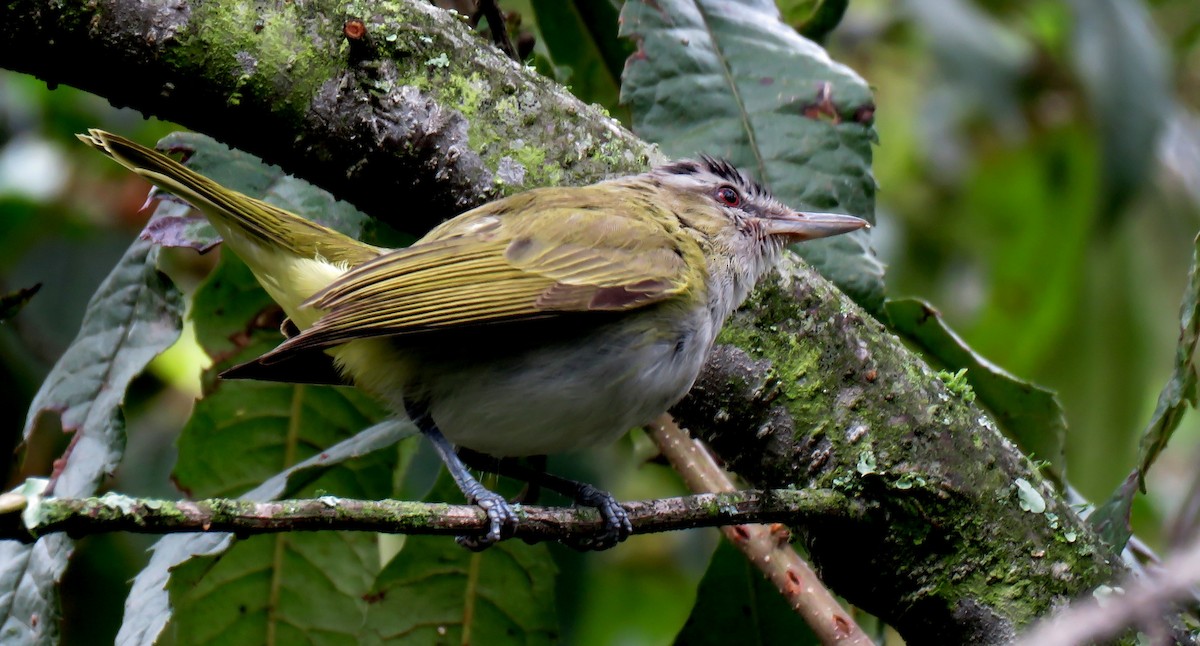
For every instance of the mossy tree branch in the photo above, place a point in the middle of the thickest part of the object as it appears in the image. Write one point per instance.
(964, 541)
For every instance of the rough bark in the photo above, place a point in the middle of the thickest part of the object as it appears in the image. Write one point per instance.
(810, 391)
(806, 390)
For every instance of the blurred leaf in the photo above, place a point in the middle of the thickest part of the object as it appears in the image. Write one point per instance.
(731, 80)
(240, 436)
(1028, 414)
(736, 604)
(582, 35)
(174, 225)
(1179, 151)
(982, 59)
(1124, 71)
(1110, 521)
(12, 302)
(133, 316)
(233, 302)
(814, 19)
(1180, 391)
(436, 592)
(1027, 214)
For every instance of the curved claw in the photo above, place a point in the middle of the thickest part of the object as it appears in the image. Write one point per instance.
(616, 527)
(501, 518)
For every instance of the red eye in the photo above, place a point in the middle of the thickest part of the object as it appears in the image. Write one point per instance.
(728, 196)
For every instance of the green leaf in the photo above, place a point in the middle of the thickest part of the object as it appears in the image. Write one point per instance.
(1124, 72)
(814, 19)
(1110, 521)
(1028, 414)
(582, 35)
(730, 79)
(12, 302)
(133, 316)
(243, 432)
(736, 604)
(148, 606)
(1180, 390)
(276, 589)
(435, 592)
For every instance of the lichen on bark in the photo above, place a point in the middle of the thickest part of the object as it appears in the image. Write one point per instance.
(810, 391)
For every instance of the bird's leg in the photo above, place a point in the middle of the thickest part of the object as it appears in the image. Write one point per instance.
(502, 520)
(616, 521)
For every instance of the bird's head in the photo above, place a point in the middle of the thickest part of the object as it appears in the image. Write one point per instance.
(741, 226)
(722, 200)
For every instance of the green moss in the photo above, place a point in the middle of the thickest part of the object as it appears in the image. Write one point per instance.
(258, 46)
(957, 384)
(538, 172)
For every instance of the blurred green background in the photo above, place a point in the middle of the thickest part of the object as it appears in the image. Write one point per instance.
(1039, 173)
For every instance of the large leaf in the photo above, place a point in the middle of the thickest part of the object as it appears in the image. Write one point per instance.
(736, 604)
(280, 589)
(133, 316)
(1027, 413)
(1124, 71)
(435, 592)
(148, 606)
(730, 79)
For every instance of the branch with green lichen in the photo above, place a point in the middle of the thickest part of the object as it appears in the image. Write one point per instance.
(26, 517)
(962, 540)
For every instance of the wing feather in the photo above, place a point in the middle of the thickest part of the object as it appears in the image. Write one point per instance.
(501, 263)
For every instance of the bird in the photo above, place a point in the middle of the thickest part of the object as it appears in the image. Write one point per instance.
(549, 321)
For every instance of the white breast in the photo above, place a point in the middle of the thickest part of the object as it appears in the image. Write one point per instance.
(569, 395)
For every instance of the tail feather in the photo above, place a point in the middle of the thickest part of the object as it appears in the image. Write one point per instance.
(235, 215)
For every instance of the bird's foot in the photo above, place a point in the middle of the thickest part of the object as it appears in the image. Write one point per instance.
(616, 526)
(502, 520)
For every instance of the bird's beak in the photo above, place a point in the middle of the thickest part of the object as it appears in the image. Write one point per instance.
(797, 227)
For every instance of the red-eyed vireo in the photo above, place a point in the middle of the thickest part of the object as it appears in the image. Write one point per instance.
(544, 322)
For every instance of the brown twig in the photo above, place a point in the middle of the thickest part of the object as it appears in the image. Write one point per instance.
(766, 546)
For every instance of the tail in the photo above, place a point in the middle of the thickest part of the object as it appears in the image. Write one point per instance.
(292, 257)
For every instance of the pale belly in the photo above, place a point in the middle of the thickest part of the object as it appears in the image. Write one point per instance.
(555, 397)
